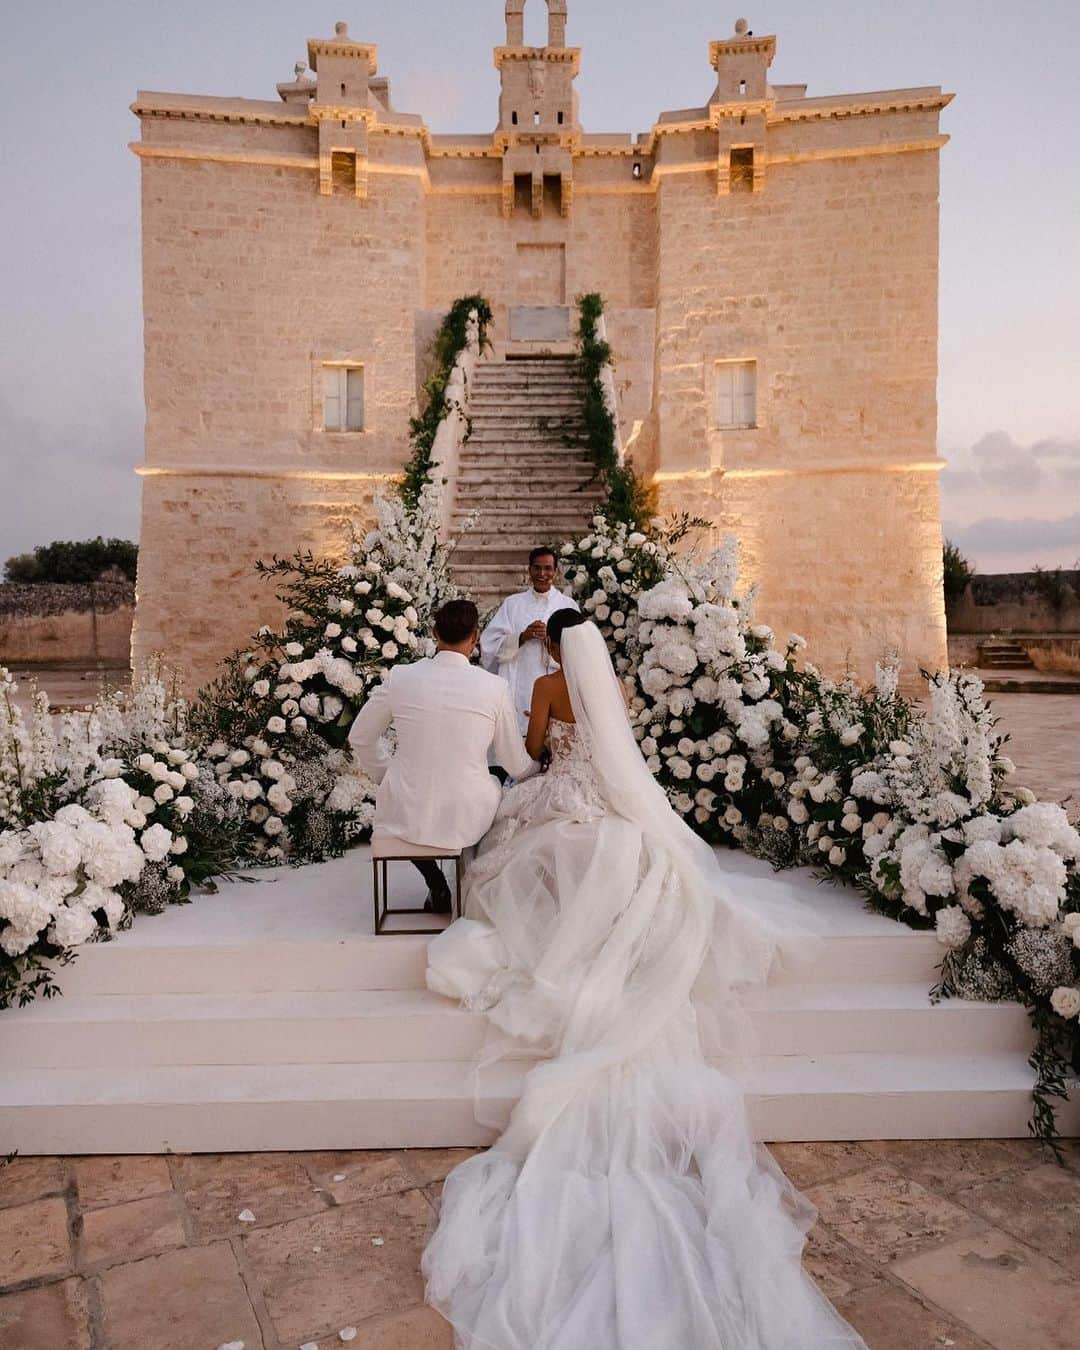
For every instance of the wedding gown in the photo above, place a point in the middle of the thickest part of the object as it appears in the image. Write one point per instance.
(625, 1207)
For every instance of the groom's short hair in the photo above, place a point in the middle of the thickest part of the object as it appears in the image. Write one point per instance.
(544, 551)
(456, 622)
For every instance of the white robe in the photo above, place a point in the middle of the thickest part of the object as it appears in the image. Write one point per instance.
(521, 664)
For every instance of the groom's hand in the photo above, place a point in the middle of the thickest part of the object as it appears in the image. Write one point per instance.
(536, 632)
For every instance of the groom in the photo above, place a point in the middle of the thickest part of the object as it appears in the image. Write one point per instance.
(436, 790)
(513, 642)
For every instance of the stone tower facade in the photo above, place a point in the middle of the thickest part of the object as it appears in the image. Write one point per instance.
(769, 262)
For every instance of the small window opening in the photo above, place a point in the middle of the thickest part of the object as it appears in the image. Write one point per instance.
(513, 118)
(736, 394)
(343, 126)
(343, 398)
(560, 119)
(536, 119)
(523, 192)
(343, 90)
(637, 168)
(742, 88)
(741, 169)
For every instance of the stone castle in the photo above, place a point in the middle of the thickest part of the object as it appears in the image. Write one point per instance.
(769, 263)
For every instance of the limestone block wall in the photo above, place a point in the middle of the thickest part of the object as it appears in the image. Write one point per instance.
(251, 280)
(828, 279)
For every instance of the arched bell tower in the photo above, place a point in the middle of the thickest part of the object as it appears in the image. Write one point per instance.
(538, 108)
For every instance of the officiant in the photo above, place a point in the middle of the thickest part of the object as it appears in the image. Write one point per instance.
(512, 645)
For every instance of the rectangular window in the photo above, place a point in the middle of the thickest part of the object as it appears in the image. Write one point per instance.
(343, 398)
(736, 394)
(741, 168)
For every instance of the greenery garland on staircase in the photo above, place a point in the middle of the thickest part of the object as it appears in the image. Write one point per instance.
(630, 500)
(449, 341)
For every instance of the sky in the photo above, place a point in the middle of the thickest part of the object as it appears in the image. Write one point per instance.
(71, 411)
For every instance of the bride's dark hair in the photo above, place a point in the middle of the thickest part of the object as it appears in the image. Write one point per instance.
(560, 621)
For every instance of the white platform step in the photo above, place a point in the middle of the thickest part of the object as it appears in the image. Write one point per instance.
(432, 1104)
(389, 1026)
(270, 1017)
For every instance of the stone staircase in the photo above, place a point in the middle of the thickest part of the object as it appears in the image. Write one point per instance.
(270, 1017)
(523, 472)
(1004, 654)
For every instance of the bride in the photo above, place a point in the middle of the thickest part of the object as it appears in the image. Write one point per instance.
(625, 1207)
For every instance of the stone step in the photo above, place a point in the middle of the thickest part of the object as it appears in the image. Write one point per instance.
(521, 525)
(108, 1031)
(431, 1104)
(533, 385)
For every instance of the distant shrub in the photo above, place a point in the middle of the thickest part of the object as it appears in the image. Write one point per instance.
(23, 567)
(958, 571)
(74, 562)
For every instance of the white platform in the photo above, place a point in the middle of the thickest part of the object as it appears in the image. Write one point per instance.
(270, 1017)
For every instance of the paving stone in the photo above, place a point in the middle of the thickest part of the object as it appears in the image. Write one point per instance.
(835, 1268)
(1041, 1206)
(884, 1215)
(807, 1164)
(435, 1164)
(25, 1179)
(417, 1329)
(127, 1232)
(52, 1317)
(192, 1299)
(948, 1165)
(217, 1188)
(1012, 1296)
(112, 1181)
(312, 1293)
(367, 1174)
(889, 1318)
(34, 1241)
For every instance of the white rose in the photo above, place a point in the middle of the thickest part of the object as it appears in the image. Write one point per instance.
(276, 726)
(837, 856)
(294, 649)
(332, 630)
(145, 805)
(252, 791)
(261, 688)
(390, 650)
(163, 793)
(299, 725)
(274, 826)
(1065, 1001)
(852, 734)
(239, 758)
(145, 762)
(190, 772)
(348, 644)
(175, 874)
(179, 846)
(851, 823)
(185, 805)
(732, 816)
(798, 812)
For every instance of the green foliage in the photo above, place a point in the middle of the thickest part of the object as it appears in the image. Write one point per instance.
(449, 341)
(22, 567)
(630, 499)
(1051, 587)
(74, 562)
(957, 571)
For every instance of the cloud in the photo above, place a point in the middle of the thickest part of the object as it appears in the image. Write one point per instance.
(1025, 537)
(997, 460)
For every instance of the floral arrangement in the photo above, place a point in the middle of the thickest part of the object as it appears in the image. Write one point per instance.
(911, 805)
(124, 808)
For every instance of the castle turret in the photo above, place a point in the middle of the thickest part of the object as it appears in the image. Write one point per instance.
(343, 105)
(740, 106)
(538, 109)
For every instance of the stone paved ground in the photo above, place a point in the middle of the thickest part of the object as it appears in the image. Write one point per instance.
(973, 1245)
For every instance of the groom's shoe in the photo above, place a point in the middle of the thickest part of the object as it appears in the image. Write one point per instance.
(438, 901)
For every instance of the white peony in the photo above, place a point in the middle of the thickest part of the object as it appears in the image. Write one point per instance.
(953, 926)
(156, 842)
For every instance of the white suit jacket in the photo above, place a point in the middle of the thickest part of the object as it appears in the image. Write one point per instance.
(436, 789)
